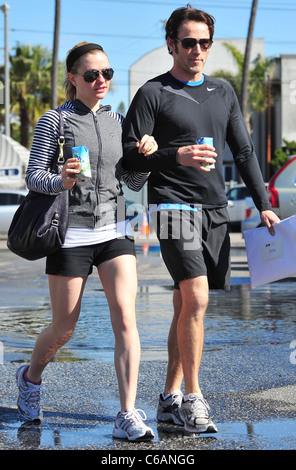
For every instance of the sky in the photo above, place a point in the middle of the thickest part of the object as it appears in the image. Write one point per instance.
(129, 29)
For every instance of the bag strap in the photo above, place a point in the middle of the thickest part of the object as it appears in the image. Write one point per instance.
(61, 139)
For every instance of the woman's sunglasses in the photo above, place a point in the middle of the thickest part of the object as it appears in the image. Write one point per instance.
(189, 43)
(92, 75)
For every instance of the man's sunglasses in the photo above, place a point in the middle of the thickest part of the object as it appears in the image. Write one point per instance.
(92, 75)
(189, 43)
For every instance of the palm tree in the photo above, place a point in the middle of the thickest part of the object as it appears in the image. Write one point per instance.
(30, 78)
(257, 83)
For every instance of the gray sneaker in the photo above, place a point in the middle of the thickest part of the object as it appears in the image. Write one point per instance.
(29, 397)
(169, 409)
(195, 413)
(130, 425)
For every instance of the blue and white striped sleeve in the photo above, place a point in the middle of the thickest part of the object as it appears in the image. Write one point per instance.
(134, 180)
(44, 147)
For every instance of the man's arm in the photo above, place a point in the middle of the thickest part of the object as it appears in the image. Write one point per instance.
(140, 120)
(246, 161)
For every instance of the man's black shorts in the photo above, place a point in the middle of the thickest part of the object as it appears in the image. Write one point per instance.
(195, 244)
(79, 261)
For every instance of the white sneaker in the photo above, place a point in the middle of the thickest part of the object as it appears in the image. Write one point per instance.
(195, 413)
(130, 425)
(169, 409)
(29, 397)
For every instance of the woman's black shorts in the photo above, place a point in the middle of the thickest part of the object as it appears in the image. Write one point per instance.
(79, 261)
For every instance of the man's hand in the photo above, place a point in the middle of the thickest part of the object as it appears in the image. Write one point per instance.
(269, 218)
(196, 156)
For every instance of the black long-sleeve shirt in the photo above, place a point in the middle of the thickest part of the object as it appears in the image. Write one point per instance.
(176, 114)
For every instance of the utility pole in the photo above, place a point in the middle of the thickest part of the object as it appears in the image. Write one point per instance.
(55, 58)
(245, 78)
(5, 9)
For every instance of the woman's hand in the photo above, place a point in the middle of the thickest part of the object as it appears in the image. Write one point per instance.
(69, 173)
(147, 145)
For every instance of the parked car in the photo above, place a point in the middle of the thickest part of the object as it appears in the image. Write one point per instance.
(252, 216)
(237, 205)
(282, 190)
(10, 199)
(282, 195)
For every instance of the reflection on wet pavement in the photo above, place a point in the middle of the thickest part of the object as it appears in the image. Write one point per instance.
(266, 435)
(241, 316)
(246, 368)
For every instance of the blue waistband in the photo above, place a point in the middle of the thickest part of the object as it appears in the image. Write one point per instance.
(166, 206)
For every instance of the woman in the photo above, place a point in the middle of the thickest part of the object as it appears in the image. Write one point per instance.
(94, 238)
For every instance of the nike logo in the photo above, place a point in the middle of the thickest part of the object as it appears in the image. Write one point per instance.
(211, 89)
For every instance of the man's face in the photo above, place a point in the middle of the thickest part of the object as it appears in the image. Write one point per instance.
(189, 63)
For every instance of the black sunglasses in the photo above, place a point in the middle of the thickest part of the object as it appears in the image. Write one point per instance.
(189, 43)
(92, 75)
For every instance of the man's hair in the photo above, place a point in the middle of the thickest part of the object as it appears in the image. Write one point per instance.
(187, 13)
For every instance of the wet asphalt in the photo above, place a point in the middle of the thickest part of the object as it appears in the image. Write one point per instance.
(251, 389)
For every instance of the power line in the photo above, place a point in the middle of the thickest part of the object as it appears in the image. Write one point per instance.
(233, 5)
(124, 36)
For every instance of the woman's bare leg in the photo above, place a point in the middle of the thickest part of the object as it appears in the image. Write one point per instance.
(66, 294)
(119, 279)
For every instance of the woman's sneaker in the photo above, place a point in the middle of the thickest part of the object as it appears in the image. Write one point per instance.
(168, 409)
(130, 425)
(195, 413)
(29, 397)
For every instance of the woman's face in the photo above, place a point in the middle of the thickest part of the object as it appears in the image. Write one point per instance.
(91, 93)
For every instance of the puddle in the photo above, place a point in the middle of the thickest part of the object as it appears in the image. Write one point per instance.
(248, 337)
(265, 435)
(239, 317)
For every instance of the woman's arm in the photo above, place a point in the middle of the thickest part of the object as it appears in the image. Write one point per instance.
(43, 150)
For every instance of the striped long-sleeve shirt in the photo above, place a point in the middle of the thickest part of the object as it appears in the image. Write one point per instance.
(44, 148)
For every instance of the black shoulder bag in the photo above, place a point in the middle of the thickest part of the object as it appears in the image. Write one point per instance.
(39, 225)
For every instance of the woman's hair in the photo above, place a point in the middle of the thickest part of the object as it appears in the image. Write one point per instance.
(187, 13)
(73, 65)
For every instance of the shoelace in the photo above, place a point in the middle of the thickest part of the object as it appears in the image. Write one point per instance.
(31, 398)
(200, 406)
(135, 415)
(176, 398)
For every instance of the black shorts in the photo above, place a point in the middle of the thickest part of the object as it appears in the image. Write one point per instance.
(79, 261)
(195, 244)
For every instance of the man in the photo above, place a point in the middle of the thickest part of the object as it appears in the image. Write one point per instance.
(177, 108)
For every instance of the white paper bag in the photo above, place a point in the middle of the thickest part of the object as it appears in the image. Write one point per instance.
(271, 258)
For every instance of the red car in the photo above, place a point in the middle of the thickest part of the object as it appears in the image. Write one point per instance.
(282, 190)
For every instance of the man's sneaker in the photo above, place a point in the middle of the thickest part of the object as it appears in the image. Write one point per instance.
(130, 425)
(195, 413)
(29, 397)
(169, 409)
